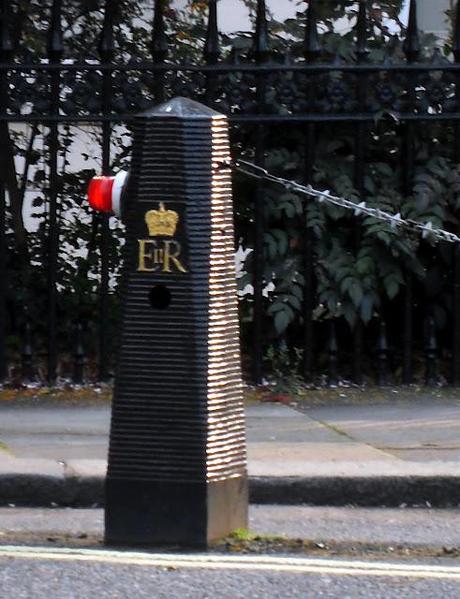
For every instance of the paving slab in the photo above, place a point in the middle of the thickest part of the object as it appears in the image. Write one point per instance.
(424, 430)
(270, 459)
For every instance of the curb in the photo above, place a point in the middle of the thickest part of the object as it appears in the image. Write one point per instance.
(38, 490)
(375, 491)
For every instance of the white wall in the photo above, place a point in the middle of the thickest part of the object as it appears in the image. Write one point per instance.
(234, 16)
(432, 17)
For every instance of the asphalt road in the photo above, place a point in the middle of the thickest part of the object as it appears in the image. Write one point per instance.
(33, 574)
(37, 562)
(398, 527)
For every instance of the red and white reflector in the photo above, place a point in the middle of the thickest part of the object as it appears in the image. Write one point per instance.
(104, 192)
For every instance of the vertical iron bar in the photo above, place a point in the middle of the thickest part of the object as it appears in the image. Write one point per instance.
(159, 48)
(332, 352)
(106, 51)
(455, 379)
(407, 331)
(3, 246)
(27, 352)
(211, 52)
(79, 355)
(431, 351)
(412, 51)
(359, 171)
(382, 355)
(308, 263)
(311, 52)
(6, 49)
(55, 51)
(261, 50)
(259, 261)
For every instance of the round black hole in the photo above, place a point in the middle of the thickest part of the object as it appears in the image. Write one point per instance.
(159, 297)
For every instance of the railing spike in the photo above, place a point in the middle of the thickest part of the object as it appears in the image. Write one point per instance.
(211, 48)
(159, 45)
(411, 44)
(312, 46)
(456, 44)
(55, 45)
(6, 44)
(361, 29)
(261, 45)
(106, 42)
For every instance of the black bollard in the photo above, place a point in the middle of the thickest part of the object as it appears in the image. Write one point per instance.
(177, 459)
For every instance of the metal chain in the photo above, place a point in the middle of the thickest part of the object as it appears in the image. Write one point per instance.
(426, 230)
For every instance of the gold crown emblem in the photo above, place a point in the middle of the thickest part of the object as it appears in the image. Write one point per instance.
(161, 222)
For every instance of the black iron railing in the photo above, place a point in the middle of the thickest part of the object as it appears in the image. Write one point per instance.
(413, 92)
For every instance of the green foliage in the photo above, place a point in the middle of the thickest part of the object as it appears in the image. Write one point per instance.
(361, 264)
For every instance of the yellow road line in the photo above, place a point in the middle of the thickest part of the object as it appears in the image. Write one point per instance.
(294, 565)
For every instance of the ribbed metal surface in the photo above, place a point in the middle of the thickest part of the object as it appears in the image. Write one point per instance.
(178, 412)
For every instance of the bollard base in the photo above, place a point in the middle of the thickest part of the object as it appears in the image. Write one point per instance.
(141, 513)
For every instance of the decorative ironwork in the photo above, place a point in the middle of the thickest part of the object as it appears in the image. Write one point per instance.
(260, 89)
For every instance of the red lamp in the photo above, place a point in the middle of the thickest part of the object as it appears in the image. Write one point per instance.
(104, 192)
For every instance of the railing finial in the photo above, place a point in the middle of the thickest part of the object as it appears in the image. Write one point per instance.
(312, 45)
(361, 29)
(159, 45)
(211, 48)
(106, 42)
(261, 38)
(55, 45)
(412, 42)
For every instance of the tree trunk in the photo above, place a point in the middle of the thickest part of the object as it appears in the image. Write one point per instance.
(16, 198)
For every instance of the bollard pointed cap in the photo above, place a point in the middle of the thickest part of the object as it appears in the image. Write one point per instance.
(180, 108)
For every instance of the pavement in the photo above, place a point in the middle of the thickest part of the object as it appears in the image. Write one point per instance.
(391, 454)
